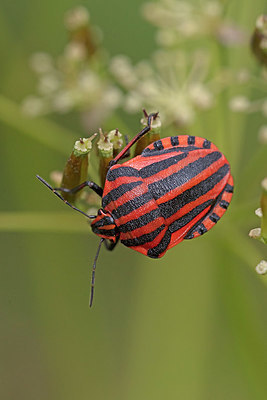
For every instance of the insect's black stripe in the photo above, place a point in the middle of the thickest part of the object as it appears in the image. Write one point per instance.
(224, 204)
(170, 207)
(151, 152)
(158, 145)
(201, 229)
(116, 193)
(187, 218)
(143, 239)
(191, 140)
(214, 217)
(206, 144)
(161, 165)
(122, 171)
(179, 178)
(156, 251)
(229, 188)
(174, 141)
(106, 232)
(131, 205)
(143, 220)
(190, 235)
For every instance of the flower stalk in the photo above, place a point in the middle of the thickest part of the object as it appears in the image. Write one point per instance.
(76, 168)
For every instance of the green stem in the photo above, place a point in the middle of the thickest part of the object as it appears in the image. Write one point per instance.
(57, 222)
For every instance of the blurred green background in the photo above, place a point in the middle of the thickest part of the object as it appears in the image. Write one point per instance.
(192, 325)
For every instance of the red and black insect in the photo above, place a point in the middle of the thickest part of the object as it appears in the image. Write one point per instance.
(178, 188)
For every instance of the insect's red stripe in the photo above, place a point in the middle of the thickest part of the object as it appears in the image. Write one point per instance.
(195, 185)
(183, 172)
(178, 235)
(120, 189)
(107, 227)
(182, 141)
(218, 211)
(123, 219)
(208, 188)
(140, 220)
(188, 204)
(131, 200)
(152, 236)
(158, 250)
(146, 229)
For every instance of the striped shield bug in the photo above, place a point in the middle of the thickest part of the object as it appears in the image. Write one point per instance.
(177, 188)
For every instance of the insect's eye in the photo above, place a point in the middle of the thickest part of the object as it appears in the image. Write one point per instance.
(100, 212)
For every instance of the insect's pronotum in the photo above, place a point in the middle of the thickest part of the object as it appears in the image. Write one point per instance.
(178, 188)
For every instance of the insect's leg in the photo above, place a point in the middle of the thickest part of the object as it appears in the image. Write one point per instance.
(111, 245)
(146, 129)
(61, 198)
(93, 273)
(92, 185)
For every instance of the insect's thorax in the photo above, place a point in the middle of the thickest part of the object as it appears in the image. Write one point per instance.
(104, 226)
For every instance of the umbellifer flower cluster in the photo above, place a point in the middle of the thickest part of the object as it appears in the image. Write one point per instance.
(77, 79)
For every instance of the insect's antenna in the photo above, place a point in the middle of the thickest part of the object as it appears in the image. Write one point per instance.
(93, 273)
(61, 198)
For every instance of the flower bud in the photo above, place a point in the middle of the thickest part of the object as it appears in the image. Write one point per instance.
(105, 150)
(76, 168)
(151, 136)
(115, 138)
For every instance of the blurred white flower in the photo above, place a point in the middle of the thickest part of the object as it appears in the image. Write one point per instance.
(75, 51)
(173, 82)
(41, 63)
(261, 268)
(76, 18)
(48, 83)
(263, 134)
(76, 79)
(178, 20)
(255, 233)
(33, 106)
(239, 104)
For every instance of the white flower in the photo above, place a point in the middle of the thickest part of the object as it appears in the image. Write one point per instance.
(77, 18)
(173, 83)
(75, 51)
(48, 83)
(239, 103)
(63, 102)
(34, 106)
(255, 233)
(261, 268)
(264, 108)
(41, 62)
(258, 212)
(263, 134)
(201, 96)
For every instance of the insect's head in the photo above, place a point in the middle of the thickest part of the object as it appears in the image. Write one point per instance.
(104, 226)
